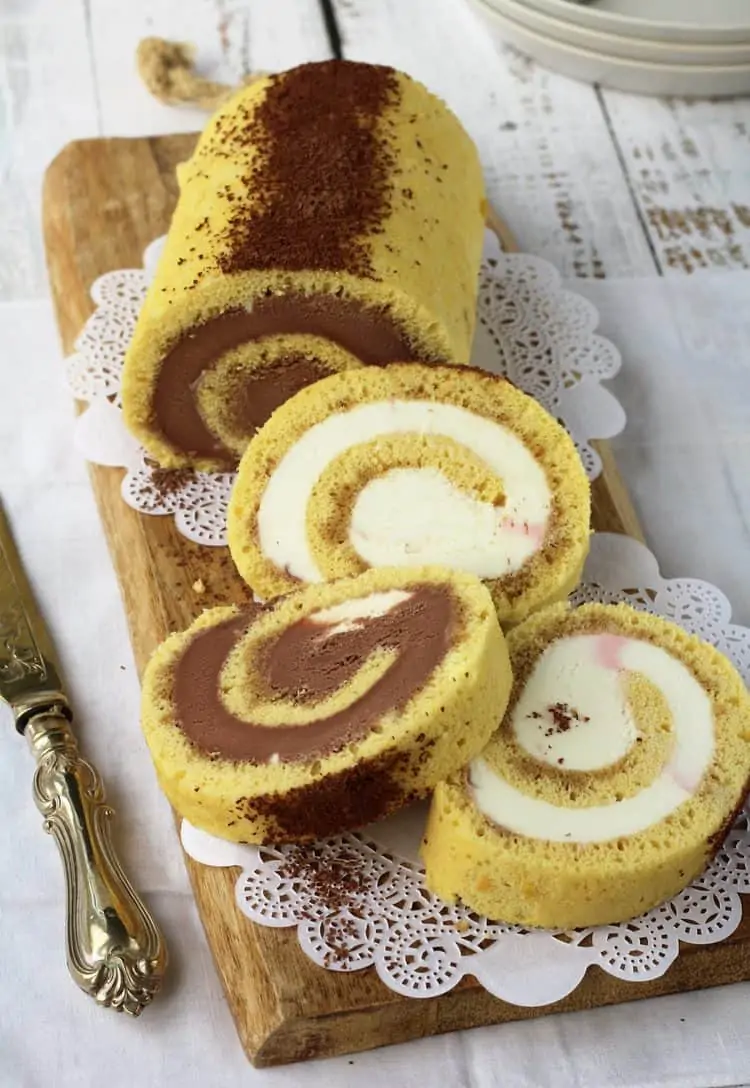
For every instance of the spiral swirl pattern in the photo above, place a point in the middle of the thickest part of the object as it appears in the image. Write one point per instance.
(412, 464)
(331, 216)
(327, 709)
(621, 758)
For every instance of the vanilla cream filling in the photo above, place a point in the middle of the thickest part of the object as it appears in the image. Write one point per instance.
(444, 525)
(572, 712)
(351, 614)
(409, 517)
(585, 674)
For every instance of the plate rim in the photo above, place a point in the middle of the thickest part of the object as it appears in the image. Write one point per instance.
(557, 28)
(488, 11)
(590, 18)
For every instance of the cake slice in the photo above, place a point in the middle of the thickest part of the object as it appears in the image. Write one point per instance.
(327, 709)
(621, 763)
(331, 216)
(410, 464)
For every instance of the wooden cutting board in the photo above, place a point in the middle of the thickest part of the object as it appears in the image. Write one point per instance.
(104, 201)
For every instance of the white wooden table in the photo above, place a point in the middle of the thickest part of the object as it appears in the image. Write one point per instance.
(604, 185)
(601, 183)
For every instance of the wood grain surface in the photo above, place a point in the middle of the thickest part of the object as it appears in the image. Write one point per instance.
(104, 201)
(598, 182)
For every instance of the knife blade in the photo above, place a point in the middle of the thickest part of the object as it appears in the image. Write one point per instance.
(114, 948)
(29, 672)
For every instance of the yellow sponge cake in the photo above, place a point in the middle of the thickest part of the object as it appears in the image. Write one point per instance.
(331, 216)
(328, 708)
(618, 769)
(409, 464)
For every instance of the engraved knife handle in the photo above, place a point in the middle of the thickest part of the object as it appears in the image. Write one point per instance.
(114, 949)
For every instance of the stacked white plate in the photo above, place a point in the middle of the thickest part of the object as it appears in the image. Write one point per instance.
(690, 48)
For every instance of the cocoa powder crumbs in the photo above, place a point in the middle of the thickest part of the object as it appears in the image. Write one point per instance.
(333, 883)
(168, 481)
(340, 934)
(563, 718)
(320, 167)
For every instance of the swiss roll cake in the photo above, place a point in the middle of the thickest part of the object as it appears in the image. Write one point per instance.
(330, 217)
(408, 464)
(328, 708)
(621, 762)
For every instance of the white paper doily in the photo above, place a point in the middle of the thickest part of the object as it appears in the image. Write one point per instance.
(528, 329)
(358, 900)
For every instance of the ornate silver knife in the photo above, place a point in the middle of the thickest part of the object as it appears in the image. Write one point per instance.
(114, 949)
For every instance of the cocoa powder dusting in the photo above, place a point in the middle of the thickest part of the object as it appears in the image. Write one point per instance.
(353, 797)
(333, 882)
(563, 717)
(333, 885)
(168, 481)
(321, 169)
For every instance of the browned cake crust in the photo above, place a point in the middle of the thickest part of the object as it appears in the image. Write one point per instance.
(328, 708)
(331, 217)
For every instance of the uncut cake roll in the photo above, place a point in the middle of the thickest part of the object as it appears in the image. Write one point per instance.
(410, 464)
(331, 216)
(623, 758)
(328, 708)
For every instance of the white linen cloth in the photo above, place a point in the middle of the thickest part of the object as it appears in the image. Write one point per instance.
(685, 453)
